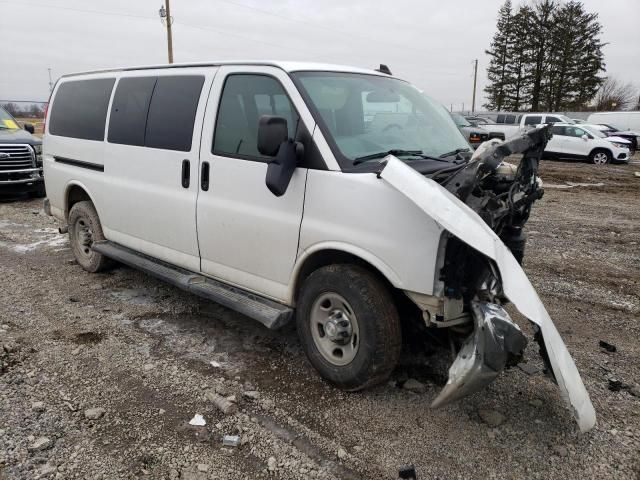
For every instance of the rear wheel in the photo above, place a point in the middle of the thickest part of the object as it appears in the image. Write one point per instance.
(349, 326)
(600, 157)
(84, 230)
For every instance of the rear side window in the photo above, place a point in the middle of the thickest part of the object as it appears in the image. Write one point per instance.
(558, 130)
(510, 119)
(244, 99)
(79, 109)
(128, 119)
(532, 120)
(551, 119)
(172, 112)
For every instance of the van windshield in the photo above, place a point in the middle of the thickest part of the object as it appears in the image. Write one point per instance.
(363, 115)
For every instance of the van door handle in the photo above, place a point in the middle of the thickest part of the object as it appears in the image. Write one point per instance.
(186, 173)
(204, 176)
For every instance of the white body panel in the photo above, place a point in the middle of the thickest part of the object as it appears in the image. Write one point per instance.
(359, 214)
(464, 223)
(622, 120)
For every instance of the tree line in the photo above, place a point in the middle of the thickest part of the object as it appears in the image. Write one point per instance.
(545, 56)
(31, 110)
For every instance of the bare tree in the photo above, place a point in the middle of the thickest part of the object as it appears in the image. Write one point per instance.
(616, 95)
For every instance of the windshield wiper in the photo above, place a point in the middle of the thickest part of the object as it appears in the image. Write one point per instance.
(395, 152)
(454, 152)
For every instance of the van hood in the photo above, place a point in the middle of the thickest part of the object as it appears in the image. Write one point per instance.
(462, 222)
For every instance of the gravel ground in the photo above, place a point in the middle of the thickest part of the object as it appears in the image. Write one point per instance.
(100, 374)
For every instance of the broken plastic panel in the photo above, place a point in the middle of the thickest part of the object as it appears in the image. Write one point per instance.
(460, 220)
(495, 343)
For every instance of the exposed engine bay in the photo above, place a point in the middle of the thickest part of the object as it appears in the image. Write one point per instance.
(483, 204)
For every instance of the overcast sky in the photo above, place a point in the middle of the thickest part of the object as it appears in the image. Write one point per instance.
(432, 43)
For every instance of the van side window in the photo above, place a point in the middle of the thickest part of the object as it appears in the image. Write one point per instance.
(532, 120)
(129, 109)
(244, 99)
(551, 119)
(172, 112)
(79, 109)
(500, 119)
(510, 119)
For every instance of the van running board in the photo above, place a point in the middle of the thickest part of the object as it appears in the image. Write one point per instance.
(271, 314)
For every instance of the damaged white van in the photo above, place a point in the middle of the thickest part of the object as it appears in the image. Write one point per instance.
(339, 197)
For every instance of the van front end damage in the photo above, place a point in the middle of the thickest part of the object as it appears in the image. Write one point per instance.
(478, 204)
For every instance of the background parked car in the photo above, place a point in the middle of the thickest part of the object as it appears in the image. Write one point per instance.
(622, 120)
(20, 158)
(576, 142)
(489, 125)
(474, 135)
(511, 124)
(611, 130)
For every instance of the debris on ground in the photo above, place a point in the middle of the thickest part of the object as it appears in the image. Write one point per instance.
(607, 346)
(225, 405)
(414, 386)
(197, 421)
(231, 440)
(408, 472)
(492, 418)
(94, 413)
(572, 185)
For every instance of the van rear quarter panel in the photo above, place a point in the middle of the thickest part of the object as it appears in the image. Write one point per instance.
(363, 215)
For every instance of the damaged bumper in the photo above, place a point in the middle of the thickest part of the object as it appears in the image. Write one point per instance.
(479, 361)
(495, 343)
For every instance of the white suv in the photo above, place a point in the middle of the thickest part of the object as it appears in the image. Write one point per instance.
(328, 194)
(580, 142)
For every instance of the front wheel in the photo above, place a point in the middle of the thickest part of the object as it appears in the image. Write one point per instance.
(600, 157)
(349, 326)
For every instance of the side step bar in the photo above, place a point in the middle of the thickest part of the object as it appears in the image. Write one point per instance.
(271, 314)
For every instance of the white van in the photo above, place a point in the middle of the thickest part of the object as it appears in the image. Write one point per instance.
(288, 190)
(621, 120)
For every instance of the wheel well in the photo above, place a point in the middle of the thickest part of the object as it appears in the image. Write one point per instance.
(323, 258)
(74, 195)
(601, 149)
(410, 314)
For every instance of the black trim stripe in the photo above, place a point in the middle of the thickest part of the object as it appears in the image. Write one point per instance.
(79, 163)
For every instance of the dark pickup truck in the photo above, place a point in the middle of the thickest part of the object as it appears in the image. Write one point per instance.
(20, 158)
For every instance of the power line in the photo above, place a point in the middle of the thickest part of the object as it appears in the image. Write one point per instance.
(288, 48)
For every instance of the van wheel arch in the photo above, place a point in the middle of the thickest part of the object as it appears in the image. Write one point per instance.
(75, 193)
(323, 258)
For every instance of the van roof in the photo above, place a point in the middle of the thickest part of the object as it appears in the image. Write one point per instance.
(287, 66)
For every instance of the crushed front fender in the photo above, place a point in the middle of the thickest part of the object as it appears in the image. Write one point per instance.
(461, 221)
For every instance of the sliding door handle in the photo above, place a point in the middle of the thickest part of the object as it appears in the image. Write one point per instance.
(204, 176)
(186, 173)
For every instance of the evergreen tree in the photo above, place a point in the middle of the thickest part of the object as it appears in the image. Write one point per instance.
(500, 54)
(545, 56)
(518, 89)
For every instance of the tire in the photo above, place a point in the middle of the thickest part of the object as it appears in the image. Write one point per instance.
(338, 292)
(600, 157)
(84, 229)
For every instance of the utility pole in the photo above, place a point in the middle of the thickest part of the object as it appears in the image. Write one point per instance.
(167, 19)
(50, 82)
(475, 80)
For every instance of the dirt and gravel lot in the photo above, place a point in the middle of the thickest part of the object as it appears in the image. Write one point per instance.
(100, 374)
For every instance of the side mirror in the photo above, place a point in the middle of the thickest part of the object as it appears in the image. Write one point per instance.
(273, 141)
(272, 131)
(29, 128)
(585, 137)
